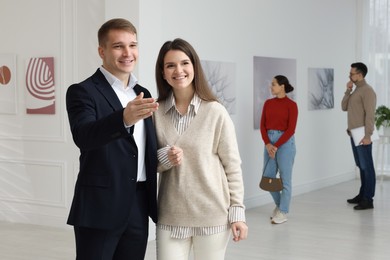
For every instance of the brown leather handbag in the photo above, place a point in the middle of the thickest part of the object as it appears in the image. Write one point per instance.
(270, 184)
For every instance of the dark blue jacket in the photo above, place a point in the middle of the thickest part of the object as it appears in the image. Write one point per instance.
(106, 183)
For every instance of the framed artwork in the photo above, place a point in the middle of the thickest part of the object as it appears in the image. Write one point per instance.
(221, 77)
(40, 86)
(8, 96)
(321, 92)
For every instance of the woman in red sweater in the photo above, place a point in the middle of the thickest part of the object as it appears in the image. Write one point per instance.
(277, 126)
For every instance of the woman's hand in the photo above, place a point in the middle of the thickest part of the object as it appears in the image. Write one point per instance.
(239, 230)
(271, 149)
(175, 155)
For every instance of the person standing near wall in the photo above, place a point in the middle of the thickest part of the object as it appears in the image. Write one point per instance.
(277, 127)
(111, 123)
(201, 188)
(360, 105)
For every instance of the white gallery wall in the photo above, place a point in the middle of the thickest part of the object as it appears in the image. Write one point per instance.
(319, 34)
(38, 160)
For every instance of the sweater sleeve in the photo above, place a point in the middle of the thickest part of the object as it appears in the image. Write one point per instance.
(236, 214)
(344, 102)
(369, 103)
(263, 129)
(292, 123)
(230, 157)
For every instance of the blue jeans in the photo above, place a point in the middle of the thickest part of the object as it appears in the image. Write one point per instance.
(284, 162)
(365, 163)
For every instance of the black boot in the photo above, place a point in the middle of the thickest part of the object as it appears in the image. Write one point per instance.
(355, 200)
(364, 204)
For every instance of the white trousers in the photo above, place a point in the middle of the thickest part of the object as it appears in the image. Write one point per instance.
(211, 247)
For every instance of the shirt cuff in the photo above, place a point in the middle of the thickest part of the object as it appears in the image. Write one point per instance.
(162, 156)
(236, 214)
(127, 127)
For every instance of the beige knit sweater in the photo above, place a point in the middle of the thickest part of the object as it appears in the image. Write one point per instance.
(199, 192)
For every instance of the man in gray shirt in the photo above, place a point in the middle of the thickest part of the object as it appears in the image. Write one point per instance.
(360, 105)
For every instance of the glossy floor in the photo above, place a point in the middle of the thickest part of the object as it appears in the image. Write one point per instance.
(321, 225)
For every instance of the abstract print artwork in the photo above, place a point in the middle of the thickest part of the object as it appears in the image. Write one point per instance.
(8, 84)
(40, 85)
(264, 70)
(321, 93)
(221, 77)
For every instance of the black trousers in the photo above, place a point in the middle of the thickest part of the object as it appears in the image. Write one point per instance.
(125, 243)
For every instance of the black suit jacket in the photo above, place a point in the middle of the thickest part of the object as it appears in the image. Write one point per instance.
(106, 183)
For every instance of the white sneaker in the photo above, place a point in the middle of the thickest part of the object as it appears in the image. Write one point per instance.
(279, 218)
(274, 212)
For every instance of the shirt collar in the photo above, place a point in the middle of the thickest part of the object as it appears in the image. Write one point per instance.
(195, 102)
(112, 80)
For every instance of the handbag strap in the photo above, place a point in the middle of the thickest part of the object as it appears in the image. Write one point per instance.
(265, 166)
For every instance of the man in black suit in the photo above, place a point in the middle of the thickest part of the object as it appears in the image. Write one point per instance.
(110, 120)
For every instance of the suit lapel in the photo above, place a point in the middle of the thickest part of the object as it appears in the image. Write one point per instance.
(137, 89)
(149, 127)
(105, 88)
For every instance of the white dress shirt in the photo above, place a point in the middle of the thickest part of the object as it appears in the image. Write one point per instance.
(126, 94)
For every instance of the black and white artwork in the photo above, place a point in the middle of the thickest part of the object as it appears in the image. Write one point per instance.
(321, 93)
(264, 70)
(221, 77)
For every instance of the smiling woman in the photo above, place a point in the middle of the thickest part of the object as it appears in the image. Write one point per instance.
(196, 145)
(178, 69)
